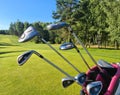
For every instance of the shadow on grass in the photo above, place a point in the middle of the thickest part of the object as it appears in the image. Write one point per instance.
(3, 47)
(109, 48)
(103, 48)
(7, 44)
(6, 52)
(7, 56)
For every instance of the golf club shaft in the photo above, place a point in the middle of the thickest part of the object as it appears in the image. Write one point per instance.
(82, 57)
(38, 54)
(78, 51)
(60, 55)
(69, 28)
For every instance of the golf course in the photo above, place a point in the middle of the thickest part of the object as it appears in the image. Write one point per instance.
(37, 77)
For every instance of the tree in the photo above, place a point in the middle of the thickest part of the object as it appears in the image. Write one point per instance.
(52, 36)
(46, 35)
(4, 32)
(65, 12)
(12, 29)
(112, 8)
(19, 27)
(26, 25)
(65, 9)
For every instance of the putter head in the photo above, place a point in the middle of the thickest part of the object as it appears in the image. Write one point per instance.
(24, 57)
(67, 46)
(80, 78)
(94, 88)
(67, 82)
(28, 34)
(56, 26)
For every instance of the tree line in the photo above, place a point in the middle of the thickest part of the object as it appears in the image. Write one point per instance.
(18, 27)
(94, 21)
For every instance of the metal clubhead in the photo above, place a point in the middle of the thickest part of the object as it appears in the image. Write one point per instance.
(28, 34)
(57, 26)
(24, 57)
(67, 82)
(67, 46)
(94, 88)
(81, 78)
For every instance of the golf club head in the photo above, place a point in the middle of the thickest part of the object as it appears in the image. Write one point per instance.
(67, 46)
(57, 26)
(67, 82)
(94, 88)
(24, 57)
(80, 78)
(28, 34)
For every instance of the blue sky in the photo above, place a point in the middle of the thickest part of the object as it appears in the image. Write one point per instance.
(26, 10)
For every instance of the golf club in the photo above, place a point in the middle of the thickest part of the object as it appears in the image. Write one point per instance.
(30, 32)
(71, 45)
(66, 46)
(78, 51)
(25, 56)
(94, 88)
(80, 79)
(80, 42)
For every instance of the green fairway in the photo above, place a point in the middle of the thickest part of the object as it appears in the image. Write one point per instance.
(37, 77)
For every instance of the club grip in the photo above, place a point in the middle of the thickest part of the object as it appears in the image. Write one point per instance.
(57, 26)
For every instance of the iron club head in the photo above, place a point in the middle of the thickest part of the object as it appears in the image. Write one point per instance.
(67, 82)
(94, 88)
(24, 57)
(28, 34)
(67, 46)
(80, 78)
(57, 26)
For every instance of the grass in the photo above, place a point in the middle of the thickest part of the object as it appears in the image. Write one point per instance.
(36, 77)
